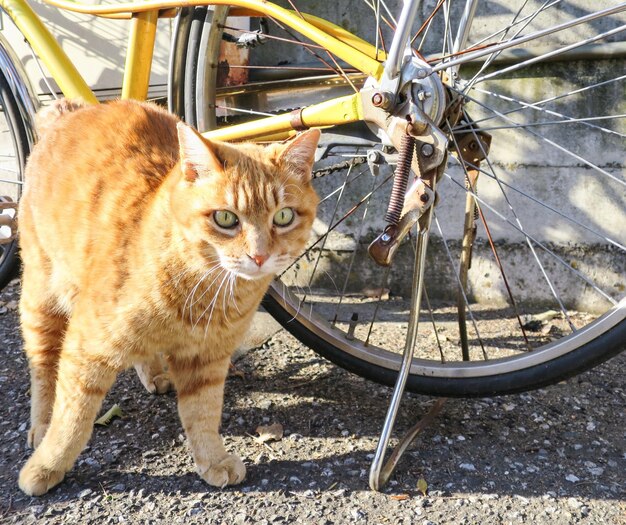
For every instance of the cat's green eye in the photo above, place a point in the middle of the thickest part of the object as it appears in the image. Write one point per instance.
(225, 219)
(284, 217)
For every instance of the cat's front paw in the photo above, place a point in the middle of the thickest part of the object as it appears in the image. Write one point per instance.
(36, 480)
(35, 435)
(229, 471)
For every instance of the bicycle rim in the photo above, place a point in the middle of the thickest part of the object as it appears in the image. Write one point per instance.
(13, 153)
(547, 275)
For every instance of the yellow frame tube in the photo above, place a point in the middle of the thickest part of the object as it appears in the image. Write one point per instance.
(352, 56)
(139, 55)
(47, 48)
(328, 27)
(342, 110)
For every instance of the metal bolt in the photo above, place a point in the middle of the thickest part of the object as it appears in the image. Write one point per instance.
(422, 73)
(382, 99)
(385, 237)
(427, 150)
(424, 197)
(374, 156)
(423, 95)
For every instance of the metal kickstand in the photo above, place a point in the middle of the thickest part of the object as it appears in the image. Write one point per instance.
(379, 473)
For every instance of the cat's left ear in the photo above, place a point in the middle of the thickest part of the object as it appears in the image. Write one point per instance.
(299, 153)
(197, 155)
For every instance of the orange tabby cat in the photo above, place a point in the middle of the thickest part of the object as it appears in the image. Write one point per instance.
(141, 238)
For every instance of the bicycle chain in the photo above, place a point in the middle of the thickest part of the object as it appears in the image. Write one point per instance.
(346, 164)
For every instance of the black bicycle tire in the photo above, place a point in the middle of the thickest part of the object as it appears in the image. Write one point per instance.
(585, 357)
(10, 263)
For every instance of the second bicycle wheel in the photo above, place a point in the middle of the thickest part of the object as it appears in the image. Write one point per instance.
(14, 149)
(537, 145)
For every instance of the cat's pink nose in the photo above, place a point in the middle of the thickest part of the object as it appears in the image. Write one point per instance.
(259, 259)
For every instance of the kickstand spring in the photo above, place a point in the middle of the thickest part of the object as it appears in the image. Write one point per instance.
(379, 474)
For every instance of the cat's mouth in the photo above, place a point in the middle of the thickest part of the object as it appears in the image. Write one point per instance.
(251, 271)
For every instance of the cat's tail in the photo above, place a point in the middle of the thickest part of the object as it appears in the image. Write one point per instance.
(48, 116)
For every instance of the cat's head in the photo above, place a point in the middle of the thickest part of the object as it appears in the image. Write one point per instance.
(251, 205)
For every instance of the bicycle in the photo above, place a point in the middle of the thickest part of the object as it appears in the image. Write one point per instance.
(447, 114)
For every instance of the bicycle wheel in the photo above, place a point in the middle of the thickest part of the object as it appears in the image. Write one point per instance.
(544, 296)
(14, 149)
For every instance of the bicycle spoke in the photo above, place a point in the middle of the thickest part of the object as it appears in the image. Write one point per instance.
(321, 250)
(536, 105)
(338, 189)
(565, 120)
(274, 37)
(353, 256)
(241, 110)
(427, 22)
(390, 21)
(490, 239)
(548, 207)
(551, 142)
(519, 223)
(455, 271)
(491, 58)
(329, 67)
(550, 54)
(507, 28)
(337, 224)
(536, 241)
(432, 320)
(446, 64)
(383, 285)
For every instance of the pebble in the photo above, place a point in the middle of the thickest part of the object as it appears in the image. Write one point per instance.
(468, 466)
(357, 514)
(574, 503)
(84, 493)
(265, 404)
(571, 478)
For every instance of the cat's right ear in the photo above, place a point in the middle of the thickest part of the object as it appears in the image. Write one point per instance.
(197, 157)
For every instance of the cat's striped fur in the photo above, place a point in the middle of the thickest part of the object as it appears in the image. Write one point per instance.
(124, 263)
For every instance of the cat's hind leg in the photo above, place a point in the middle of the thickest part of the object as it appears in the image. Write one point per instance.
(153, 375)
(200, 387)
(84, 376)
(43, 327)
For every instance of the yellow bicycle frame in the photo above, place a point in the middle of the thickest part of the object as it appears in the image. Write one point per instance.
(355, 51)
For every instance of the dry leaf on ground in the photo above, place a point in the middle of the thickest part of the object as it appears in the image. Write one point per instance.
(273, 432)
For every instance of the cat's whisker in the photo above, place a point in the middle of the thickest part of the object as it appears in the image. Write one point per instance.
(192, 303)
(206, 290)
(209, 287)
(233, 283)
(214, 303)
(193, 291)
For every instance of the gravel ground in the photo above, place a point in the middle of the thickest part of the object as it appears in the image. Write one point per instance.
(555, 455)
